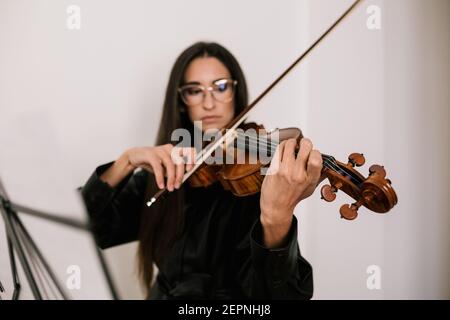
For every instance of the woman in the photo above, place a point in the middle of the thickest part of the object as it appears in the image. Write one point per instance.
(206, 242)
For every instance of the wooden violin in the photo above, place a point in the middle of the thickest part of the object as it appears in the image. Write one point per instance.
(243, 179)
(374, 192)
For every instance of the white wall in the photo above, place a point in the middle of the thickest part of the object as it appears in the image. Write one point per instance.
(386, 94)
(417, 108)
(71, 100)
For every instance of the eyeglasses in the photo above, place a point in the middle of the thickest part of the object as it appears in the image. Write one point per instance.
(222, 90)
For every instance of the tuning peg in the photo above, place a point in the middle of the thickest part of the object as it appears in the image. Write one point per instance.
(350, 212)
(356, 159)
(378, 170)
(328, 193)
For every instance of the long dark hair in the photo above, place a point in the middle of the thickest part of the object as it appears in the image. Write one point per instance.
(163, 221)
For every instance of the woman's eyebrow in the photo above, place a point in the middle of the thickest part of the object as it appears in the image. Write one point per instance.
(223, 78)
(192, 82)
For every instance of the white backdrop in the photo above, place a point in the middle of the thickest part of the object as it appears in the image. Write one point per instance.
(73, 99)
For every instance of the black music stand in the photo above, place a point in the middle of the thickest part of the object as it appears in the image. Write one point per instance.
(36, 268)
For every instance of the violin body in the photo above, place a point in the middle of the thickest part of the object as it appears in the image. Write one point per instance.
(242, 179)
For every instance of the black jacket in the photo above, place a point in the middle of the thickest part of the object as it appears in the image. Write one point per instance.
(220, 253)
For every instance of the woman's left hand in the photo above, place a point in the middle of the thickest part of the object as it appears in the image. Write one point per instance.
(289, 180)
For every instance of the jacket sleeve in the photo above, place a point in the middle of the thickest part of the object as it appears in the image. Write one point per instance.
(275, 273)
(114, 212)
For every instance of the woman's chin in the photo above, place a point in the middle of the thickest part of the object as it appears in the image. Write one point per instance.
(211, 127)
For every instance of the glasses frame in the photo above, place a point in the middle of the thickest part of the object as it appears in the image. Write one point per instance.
(204, 89)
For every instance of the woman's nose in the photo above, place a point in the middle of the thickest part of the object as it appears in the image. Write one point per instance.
(208, 101)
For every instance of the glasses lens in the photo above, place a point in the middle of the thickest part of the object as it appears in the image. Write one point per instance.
(223, 90)
(192, 95)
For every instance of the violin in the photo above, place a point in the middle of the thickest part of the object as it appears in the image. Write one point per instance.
(374, 192)
(243, 179)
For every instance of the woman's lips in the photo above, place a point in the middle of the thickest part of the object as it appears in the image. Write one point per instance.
(210, 119)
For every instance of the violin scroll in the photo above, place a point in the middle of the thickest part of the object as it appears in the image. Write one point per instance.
(374, 192)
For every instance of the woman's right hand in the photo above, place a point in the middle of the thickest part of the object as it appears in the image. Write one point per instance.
(163, 161)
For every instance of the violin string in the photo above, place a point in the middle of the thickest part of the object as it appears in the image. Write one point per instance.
(329, 162)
